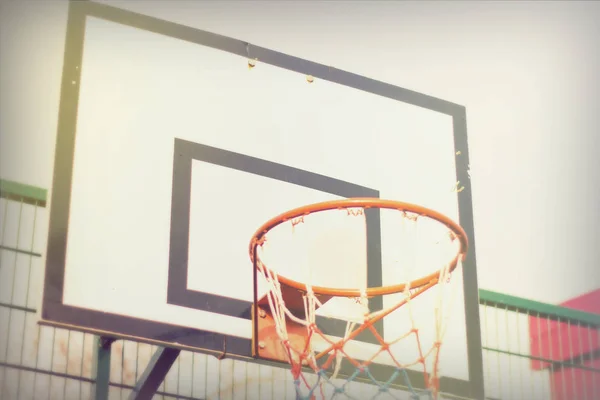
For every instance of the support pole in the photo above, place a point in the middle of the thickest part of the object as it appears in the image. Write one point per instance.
(155, 373)
(102, 350)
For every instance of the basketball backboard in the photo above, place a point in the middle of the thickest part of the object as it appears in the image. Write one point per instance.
(173, 149)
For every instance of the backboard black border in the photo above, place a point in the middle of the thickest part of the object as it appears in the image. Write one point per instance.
(54, 312)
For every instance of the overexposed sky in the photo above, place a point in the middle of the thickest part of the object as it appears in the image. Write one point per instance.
(526, 71)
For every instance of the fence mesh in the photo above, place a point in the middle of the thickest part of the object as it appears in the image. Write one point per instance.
(531, 350)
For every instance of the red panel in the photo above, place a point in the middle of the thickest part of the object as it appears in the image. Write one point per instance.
(561, 341)
(575, 383)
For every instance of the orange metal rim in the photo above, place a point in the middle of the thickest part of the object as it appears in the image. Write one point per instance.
(365, 203)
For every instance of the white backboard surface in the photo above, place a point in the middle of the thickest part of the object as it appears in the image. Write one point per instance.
(182, 151)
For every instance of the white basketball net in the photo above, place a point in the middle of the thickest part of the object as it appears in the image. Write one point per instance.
(413, 337)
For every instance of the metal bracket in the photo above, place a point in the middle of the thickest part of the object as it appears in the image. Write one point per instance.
(268, 345)
(105, 342)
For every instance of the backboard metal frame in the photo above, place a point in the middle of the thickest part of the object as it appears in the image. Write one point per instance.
(56, 313)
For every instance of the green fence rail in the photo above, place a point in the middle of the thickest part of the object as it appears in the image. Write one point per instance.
(531, 350)
(23, 193)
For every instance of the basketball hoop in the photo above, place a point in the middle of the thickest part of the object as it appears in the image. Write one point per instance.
(286, 314)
